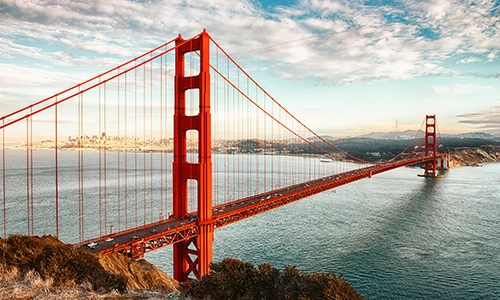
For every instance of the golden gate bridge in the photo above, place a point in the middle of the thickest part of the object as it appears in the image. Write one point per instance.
(162, 171)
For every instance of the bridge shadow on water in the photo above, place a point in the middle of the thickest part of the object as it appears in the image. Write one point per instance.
(394, 245)
(401, 216)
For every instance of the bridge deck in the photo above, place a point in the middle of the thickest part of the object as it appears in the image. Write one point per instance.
(135, 242)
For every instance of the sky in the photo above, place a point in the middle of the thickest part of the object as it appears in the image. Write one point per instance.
(342, 67)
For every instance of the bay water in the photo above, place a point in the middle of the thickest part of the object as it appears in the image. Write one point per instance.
(394, 236)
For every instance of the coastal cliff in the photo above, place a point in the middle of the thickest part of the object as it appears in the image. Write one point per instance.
(474, 156)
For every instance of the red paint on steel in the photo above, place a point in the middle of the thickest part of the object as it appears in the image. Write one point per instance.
(201, 245)
(430, 145)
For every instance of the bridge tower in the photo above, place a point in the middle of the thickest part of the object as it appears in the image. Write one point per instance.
(193, 257)
(430, 146)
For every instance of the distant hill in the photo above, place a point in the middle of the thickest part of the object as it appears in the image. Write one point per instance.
(325, 137)
(473, 135)
(379, 149)
(393, 135)
(410, 134)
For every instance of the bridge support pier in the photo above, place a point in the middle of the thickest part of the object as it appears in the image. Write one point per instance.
(443, 163)
(193, 257)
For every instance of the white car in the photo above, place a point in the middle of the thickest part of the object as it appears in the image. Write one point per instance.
(92, 245)
(109, 239)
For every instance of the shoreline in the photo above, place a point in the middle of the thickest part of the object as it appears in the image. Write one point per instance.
(474, 156)
(459, 157)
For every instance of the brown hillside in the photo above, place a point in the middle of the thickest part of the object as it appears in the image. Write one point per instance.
(473, 156)
(45, 268)
(139, 274)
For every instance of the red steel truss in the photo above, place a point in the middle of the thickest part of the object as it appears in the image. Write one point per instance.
(138, 241)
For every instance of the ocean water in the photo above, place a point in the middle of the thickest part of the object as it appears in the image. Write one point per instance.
(394, 236)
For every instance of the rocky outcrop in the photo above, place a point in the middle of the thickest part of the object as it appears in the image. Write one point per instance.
(474, 156)
(139, 275)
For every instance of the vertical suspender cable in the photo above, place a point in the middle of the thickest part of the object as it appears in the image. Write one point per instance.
(100, 163)
(257, 137)
(166, 129)
(127, 141)
(227, 135)
(27, 176)
(31, 178)
(310, 156)
(239, 131)
(281, 145)
(252, 144)
(80, 153)
(233, 164)
(79, 139)
(161, 138)
(82, 170)
(135, 144)
(56, 169)
(288, 160)
(144, 137)
(151, 137)
(296, 169)
(118, 154)
(105, 134)
(3, 184)
(273, 149)
(265, 145)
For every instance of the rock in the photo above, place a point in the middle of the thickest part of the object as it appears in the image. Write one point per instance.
(140, 274)
(474, 156)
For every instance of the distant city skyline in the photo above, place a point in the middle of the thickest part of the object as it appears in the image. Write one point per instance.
(344, 68)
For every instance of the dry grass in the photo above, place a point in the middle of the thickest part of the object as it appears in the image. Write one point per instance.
(56, 263)
(45, 268)
(14, 285)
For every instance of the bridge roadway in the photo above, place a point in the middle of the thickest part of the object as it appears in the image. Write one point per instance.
(137, 241)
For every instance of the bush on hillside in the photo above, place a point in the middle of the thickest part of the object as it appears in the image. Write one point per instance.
(62, 263)
(234, 279)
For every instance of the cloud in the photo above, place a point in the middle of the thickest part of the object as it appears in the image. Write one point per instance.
(467, 60)
(460, 89)
(335, 42)
(491, 56)
(489, 119)
(14, 76)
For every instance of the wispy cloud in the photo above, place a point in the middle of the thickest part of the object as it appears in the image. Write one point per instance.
(333, 41)
(489, 119)
(460, 89)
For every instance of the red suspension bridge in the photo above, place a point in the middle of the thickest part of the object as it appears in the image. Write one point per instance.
(102, 164)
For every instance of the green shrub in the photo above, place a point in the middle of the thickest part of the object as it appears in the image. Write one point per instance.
(234, 279)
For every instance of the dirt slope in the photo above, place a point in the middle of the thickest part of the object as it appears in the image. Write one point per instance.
(139, 274)
(475, 156)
